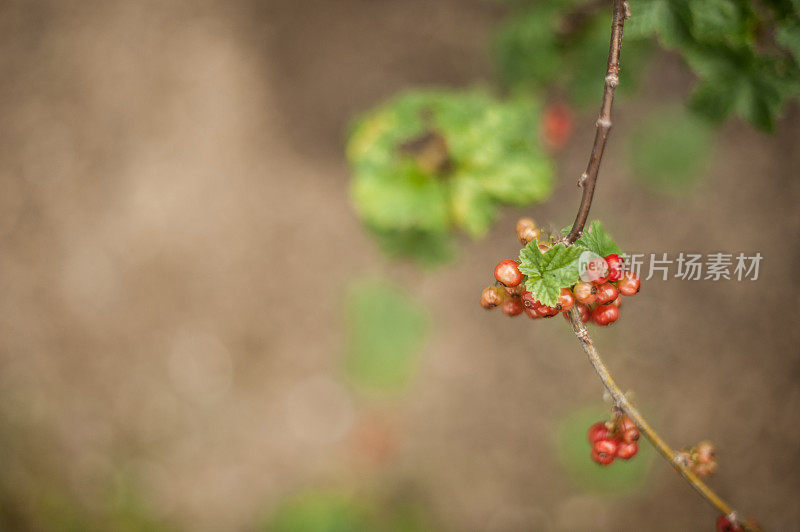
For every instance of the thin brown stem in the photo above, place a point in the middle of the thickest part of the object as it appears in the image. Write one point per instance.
(644, 427)
(588, 179)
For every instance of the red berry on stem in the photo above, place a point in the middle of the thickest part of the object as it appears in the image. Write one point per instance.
(627, 430)
(724, 525)
(598, 431)
(605, 314)
(556, 125)
(512, 306)
(507, 272)
(626, 451)
(585, 293)
(616, 267)
(629, 284)
(565, 300)
(603, 451)
(545, 312)
(586, 314)
(606, 293)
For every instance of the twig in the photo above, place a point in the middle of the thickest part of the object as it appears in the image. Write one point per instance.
(588, 179)
(644, 427)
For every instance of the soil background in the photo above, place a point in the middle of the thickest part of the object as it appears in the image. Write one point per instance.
(176, 238)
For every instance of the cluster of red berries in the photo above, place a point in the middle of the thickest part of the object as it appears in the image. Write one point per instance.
(598, 298)
(613, 439)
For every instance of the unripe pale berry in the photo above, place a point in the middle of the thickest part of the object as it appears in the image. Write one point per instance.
(527, 231)
(566, 300)
(507, 272)
(616, 267)
(606, 293)
(491, 297)
(513, 290)
(629, 284)
(605, 314)
(626, 451)
(585, 293)
(597, 270)
(512, 306)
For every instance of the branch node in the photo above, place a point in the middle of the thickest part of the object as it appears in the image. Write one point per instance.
(603, 123)
(612, 80)
(627, 10)
(582, 179)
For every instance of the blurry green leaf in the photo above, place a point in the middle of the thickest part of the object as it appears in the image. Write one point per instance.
(429, 161)
(621, 477)
(332, 511)
(428, 248)
(319, 512)
(547, 273)
(597, 240)
(385, 333)
(670, 149)
(788, 36)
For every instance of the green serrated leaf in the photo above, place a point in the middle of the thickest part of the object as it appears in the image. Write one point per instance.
(595, 239)
(547, 273)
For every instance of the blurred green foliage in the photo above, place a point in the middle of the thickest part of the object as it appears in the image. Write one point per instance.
(427, 162)
(553, 45)
(619, 478)
(336, 511)
(669, 149)
(386, 330)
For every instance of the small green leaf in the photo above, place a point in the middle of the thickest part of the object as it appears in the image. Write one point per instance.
(547, 273)
(595, 239)
(385, 333)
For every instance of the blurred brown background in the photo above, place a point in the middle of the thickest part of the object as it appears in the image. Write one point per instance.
(175, 239)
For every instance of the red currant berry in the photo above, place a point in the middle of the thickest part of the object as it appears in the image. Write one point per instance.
(527, 231)
(605, 314)
(532, 314)
(529, 301)
(545, 312)
(629, 284)
(586, 314)
(602, 458)
(627, 430)
(627, 451)
(556, 125)
(565, 300)
(724, 525)
(585, 293)
(606, 293)
(491, 297)
(617, 302)
(603, 451)
(512, 306)
(507, 272)
(513, 290)
(616, 267)
(598, 431)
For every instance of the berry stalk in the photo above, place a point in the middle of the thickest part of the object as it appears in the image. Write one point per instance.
(582, 333)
